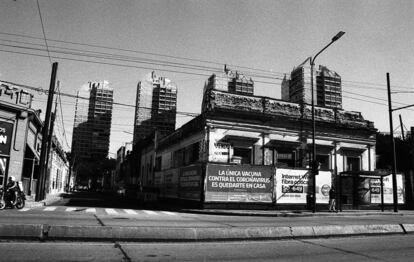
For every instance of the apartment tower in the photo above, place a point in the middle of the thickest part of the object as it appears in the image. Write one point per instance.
(92, 124)
(156, 107)
(327, 89)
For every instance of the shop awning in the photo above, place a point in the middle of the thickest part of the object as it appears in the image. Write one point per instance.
(283, 144)
(373, 174)
(240, 140)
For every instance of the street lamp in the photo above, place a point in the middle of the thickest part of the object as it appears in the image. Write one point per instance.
(314, 165)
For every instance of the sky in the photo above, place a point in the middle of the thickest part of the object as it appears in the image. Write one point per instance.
(264, 39)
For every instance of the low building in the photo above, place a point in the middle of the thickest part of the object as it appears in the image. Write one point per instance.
(20, 136)
(58, 170)
(256, 150)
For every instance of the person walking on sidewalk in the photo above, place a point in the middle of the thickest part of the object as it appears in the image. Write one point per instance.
(332, 200)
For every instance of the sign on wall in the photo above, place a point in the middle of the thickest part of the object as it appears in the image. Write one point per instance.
(190, 183)
(292, 186)
(238, 183)
(375, 188)
(6, 131)
(220, 152)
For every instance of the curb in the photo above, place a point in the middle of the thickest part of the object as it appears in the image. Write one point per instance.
(285, 213)
(140, 234)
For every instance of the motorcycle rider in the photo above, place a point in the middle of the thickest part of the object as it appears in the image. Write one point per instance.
(12, 189)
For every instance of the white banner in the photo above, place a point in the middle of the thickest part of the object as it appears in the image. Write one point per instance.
(292, 185)
(375, 187)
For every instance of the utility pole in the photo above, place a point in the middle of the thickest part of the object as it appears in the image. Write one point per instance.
(40, 190)
(402, 128)
(394, 176)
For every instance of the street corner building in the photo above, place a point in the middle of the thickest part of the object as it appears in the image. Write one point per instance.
(20, 143)
(247, 151)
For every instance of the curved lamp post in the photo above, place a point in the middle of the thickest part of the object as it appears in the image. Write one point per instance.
(314, 165)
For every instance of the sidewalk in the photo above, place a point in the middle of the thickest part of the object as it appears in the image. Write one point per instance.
(31, 203)
(296, 228)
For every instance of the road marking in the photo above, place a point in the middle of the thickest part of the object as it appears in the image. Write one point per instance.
(169, 213)
(90, 210)
(24, 209)
(149, 212)
(70, 209)
(130, 211)
(50, 209)
(111, 211)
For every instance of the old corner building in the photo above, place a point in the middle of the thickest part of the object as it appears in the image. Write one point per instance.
(20, 143)
(245, 150)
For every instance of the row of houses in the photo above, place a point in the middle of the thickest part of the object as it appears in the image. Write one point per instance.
(246, 150)
(20, 144)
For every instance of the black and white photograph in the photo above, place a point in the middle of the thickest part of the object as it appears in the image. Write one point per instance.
(207, 130)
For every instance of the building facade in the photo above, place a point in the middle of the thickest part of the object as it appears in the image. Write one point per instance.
(156, 106)
(92, 123)
(251, 150)
(327, 86)
(228, 81)
(58, 180)
(300, 84)
(20, 136)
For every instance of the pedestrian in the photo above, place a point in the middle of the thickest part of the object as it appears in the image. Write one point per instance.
(332, 200)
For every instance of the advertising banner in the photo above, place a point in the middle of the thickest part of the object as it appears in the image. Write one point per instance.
(190, 183)
(239, 183)
(292, 186)
(6, 131)
(375, 187)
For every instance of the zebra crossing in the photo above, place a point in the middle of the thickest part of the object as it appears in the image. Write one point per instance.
(104, 211)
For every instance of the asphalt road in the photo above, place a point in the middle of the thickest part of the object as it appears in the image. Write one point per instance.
(106, 210)
(375, 248)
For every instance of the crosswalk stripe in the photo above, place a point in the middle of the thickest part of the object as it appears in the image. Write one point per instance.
(149, 212)
(111, 211)
(168, 213)
(130, 211)
(90, 210)
(50, 209)
(24, 209)
(70, 209)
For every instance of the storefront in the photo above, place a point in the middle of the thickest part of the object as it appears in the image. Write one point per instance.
(20, 137)
(368, 190)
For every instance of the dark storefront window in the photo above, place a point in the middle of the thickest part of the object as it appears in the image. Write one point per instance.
(353, 163)
(244, 154)
(285, 158)
(323, 161)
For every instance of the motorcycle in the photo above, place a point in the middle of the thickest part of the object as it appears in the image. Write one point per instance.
(6, 200)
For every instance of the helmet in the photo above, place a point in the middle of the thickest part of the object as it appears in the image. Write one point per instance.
(12, 178)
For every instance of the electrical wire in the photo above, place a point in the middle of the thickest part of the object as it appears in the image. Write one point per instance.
(43, 30)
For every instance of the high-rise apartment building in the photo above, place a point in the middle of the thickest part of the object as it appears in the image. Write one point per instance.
(285, 88)
(300, 90)
(329, 90)
(229, 81)
(156, 107)
(92, 124)
(326, 86)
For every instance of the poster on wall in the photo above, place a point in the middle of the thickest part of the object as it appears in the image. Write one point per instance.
(375, 188)
(292, 185)
(220, 152)
(6, 130)
(190, 183)
(238, 183)
(167, 183)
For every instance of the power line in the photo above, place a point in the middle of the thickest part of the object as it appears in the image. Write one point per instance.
(174, 57)
(140, 52)
(43, 30)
